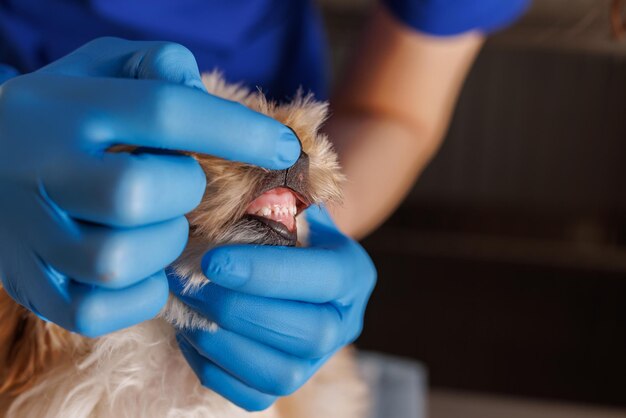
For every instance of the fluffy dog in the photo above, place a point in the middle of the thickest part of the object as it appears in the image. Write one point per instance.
(139, 372)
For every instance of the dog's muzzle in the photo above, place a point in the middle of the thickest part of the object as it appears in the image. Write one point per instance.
(281, 196)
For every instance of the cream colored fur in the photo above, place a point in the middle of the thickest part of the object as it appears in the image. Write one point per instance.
(140, 372)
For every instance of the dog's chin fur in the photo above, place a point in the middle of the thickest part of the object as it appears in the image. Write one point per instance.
(140, 372)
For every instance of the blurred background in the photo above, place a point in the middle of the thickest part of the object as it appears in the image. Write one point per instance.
(504, 272)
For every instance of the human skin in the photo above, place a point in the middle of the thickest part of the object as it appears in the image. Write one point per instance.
(390, 112)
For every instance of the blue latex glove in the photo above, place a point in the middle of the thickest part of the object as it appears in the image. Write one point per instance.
(282, 312)
(85, 234)
(452, 17)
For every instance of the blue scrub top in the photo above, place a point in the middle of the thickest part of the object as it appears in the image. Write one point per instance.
(275, 44)
(278, 45)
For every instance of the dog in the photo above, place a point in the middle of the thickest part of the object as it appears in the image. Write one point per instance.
(138, 372)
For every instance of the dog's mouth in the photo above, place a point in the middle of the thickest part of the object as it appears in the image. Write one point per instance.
(274, 213)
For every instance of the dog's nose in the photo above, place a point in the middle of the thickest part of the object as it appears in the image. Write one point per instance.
(295, 177)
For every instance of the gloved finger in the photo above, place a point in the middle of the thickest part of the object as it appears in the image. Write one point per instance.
(303, 330)
(87, 310)
(219, 381)
(112, 258)
(258, 366)
(106, 111)
(116, 57)
(101, 311)
(165, 61)
(117, 257)
(315, 275)
(126, 190)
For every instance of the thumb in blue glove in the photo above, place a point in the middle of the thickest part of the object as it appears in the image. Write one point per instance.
(85, 234)
(281, 312)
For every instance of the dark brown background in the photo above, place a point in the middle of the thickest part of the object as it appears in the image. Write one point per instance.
(505, 270)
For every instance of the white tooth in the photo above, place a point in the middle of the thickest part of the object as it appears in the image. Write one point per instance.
(266, 211)
(294, 210)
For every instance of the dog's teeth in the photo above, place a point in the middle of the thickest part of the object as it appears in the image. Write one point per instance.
(278, 211)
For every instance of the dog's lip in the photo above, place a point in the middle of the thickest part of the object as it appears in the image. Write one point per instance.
(290, 237)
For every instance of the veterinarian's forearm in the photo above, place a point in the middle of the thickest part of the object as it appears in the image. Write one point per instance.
(391, 113)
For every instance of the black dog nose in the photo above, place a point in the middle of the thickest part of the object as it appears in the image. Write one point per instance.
(295, 177)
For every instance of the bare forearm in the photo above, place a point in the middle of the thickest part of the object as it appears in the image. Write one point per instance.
(381, 159)
(390, 115)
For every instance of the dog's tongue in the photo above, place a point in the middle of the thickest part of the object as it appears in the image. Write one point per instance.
(277, 204)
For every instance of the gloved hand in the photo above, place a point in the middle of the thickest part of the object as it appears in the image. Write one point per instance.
(85, 234)
(282, 312)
